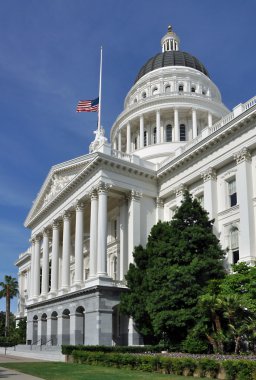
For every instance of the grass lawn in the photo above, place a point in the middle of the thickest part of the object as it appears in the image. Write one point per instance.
(68, 371)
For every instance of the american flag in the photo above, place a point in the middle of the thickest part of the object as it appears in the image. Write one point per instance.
(88, 105)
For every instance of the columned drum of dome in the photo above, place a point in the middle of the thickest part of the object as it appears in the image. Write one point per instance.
(172, 100)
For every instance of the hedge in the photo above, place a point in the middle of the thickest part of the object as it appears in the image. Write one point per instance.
(68, 349)
(233, 369)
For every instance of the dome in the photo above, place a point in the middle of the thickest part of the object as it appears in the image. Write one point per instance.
(171, 58)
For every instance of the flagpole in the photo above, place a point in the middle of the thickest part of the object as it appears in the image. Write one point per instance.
(99, 113)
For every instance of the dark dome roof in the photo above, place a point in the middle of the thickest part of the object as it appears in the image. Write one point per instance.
(171, 58)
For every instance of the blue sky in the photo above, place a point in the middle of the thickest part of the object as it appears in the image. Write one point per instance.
(49, 59)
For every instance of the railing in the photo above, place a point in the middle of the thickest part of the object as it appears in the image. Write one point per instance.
(35, 344)
(122, 155)
(250, 103)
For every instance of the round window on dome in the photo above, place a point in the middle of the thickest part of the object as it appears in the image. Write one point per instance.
(154, 91)
(144, 94)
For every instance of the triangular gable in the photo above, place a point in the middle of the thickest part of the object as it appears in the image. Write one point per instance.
(58, 178)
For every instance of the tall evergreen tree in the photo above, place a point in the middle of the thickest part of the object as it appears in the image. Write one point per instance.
(180, 258)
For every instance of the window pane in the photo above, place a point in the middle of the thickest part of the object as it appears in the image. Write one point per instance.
(235, 256)
(182, 132)
(168, 133)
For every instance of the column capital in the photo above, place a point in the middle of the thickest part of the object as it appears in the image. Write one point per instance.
(66, 215)
(38, 237)
(32, 239)
(209, 174)
(243, 155)
(79, 205)
(56, 224)
(46, 232)
(103, 187)
(159, 202)
(135, 195)
(180, 190)
(93, 194)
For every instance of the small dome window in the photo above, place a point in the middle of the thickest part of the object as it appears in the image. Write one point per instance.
(181, 88)
(144, 95)
(204, 91)
(154, 91)
(135, 100)
(193, 89)
(182, 132)
(168, 132)
(168, 88)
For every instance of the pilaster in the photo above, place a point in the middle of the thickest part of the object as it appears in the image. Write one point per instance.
(244, 197)
(159, 209)
(210, 191)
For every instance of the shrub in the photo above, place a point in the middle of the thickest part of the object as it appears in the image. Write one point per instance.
(208, 366)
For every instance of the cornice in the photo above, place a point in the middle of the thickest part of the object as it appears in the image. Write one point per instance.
(75, 294)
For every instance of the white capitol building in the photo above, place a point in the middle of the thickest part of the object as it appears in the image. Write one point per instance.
(173, 134)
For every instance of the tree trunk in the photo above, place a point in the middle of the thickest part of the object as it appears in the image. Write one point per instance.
(7, 313)
(237, 346)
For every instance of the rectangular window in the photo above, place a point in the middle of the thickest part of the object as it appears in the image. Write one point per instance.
(182, 132)
(232, 193)
(235, 256)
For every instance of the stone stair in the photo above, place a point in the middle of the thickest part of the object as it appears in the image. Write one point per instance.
(48, 353)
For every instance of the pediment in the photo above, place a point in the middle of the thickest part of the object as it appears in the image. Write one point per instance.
(59, 178)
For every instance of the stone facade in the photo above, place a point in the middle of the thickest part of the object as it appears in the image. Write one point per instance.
(174, 134)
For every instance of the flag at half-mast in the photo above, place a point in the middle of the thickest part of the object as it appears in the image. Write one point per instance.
(88, 105)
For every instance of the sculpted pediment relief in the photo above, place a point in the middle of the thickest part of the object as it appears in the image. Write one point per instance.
(58, 182)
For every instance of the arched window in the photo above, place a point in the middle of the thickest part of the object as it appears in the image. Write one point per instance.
(144, 95)
(168, 132)
(193, 89)
(154, 135)
(181, 88)
(182, 132)
(168, 88)
(234, 244)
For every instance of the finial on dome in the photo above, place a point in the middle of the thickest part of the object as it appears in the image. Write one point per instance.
(170, 42)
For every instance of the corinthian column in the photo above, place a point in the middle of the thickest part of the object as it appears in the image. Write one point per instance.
(66, 251)
(102, 229)
(31, 288)
(37, 267)
(45, 266)
(79, 256)
(93, 233)
(55, 257)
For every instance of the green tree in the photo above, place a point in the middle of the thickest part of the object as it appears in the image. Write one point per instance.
(180, 258)
(8, 291)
